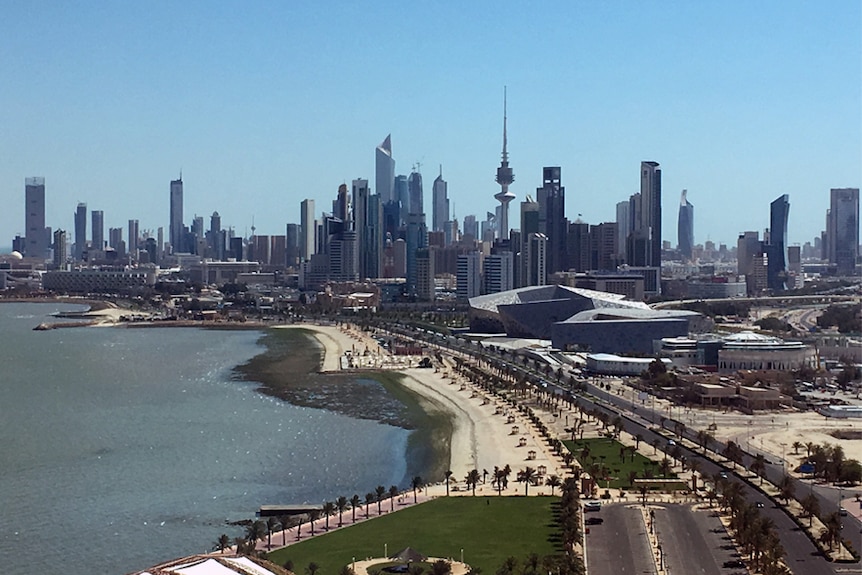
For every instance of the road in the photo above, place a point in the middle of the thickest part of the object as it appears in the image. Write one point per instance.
(619, 546)
(694, 542)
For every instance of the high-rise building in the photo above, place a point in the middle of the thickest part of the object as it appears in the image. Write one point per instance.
(308, 229)
(843, 229)
(552, 218)
(529, 225)
(384, 173)
(215, 238)
(776, 246)
(468, 276)
(402, 198)
(536, 260)
(747, 246)
(341, 205)
(367, 215)
(292, 245)
(439, 203)
(417, 239)
(471, 227)
(414, 190)
(623, 229)
(505, 177)
(603, 247)
(685, 227)
(98, 219)
(134, 237)
(80, 231)
(425, 287)
(578, 248)
(499, 272)
(651, 211)
(61, 250)
(37, 237)
(176, 228)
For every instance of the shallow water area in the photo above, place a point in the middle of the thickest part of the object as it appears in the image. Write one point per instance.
(123, 448)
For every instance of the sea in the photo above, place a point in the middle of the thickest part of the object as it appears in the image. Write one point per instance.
(124, 448)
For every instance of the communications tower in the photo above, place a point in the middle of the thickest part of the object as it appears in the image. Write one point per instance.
(504, 178)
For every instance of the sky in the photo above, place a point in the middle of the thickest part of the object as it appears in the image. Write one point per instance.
(263, 104)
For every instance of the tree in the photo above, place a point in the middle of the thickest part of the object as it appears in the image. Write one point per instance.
(448, 475)
(638, 438)
(369, 499)
(526, 476)
(341, 506)
(271, 524)
(553, 481)
(286, 522)
(299, 521)
(355, 503)
(313, 516)
(786, 489)
(796, 445)
(393, 492)
(811, 507)
(831, 532)
(441, 567)
(416, 482)
(328, 509)
(256, 531)
(472, 479)
(312, 568)
(758, 466)
(379, 493)
(222, 543)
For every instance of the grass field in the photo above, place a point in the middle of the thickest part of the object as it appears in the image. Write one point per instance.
(488, 529)
(607, 450)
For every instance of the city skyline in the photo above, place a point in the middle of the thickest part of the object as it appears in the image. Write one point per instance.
(739, 118)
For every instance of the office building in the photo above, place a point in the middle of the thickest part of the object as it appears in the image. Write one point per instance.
(368, 215)
(98, 219)
(414, 193)
(177, 233)
(603, 247)
(291, 235)
(471, 228)
(536, 260)
(401, 192)
(498, 273)
(776, 246)
(37, 238)
(439, 203)
(552, 219)
(134, 237)
(425, 288)
(384, 172)
(308, 229)
(468, 276)
(61, 250)
(843, 229)
(623, 229)
(685, 227)
(80, 231)
(578, 248)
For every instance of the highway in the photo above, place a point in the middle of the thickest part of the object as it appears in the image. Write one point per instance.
(618, 546)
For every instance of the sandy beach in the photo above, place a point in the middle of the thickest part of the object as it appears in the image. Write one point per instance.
(482, 438)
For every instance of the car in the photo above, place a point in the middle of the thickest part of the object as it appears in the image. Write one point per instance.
(723, 474)
(733, 563)
(759, 504)
(671, 442)
(593, 506)
(842, 512)
(593, 521)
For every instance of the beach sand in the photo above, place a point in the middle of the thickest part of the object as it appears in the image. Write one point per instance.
(482, 437)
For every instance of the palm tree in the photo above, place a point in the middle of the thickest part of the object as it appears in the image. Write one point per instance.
(328, 509)
(448, 474)
(553, 481)
(811, 506)
(379, 492)
(526, 476)
(271, 524)
(638, 438)
(369, 499)
(472, 479)
(341, 506)
(664, 466)
(313, 516)
(796, 445)
(255, 532)
(393, 492)
(787, 489)
(654, 444)
(355, 502)
(299, 522)
(758, 466)
(222, 543)
(286, 523)
(312, 568)
(416, 482)
(695, 469)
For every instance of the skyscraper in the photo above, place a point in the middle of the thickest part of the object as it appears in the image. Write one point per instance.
(98, 218)
(685, 227)
(623, 229)
(414, 191)
(36, 237)
(384, 173)
(176, 227)
(80, 231)
(776, 248)
(552, 219)
(843, 229)
(651, 210)
(308, 227)
(134, 237)
(439, 203)
(505, 177)
(61, 251)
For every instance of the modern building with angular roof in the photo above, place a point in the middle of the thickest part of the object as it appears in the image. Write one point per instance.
(580, 319)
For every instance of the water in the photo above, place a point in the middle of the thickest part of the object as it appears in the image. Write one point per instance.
(122, 448)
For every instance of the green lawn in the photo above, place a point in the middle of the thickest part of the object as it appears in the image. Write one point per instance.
(610, 449)
(488, 529)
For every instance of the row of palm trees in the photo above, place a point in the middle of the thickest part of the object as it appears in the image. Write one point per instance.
(262, 530)
(756, 535)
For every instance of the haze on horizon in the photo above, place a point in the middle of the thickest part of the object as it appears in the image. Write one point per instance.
(262, 105)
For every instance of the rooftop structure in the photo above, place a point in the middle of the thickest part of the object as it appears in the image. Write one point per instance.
(505, 177)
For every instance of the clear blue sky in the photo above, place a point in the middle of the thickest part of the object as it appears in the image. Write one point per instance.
(264, 104)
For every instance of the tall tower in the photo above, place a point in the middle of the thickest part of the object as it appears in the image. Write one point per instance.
(80, 231)
(843, 228)
(307, 229)
(439, 203)
(37, 237)
(384, 171)
(98, 217)
(552, 220)
(776, 248)
(176, 228)
(685, 227)
(650, 216)
(504, 178)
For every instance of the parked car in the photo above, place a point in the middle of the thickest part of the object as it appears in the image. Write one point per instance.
(593, 521)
